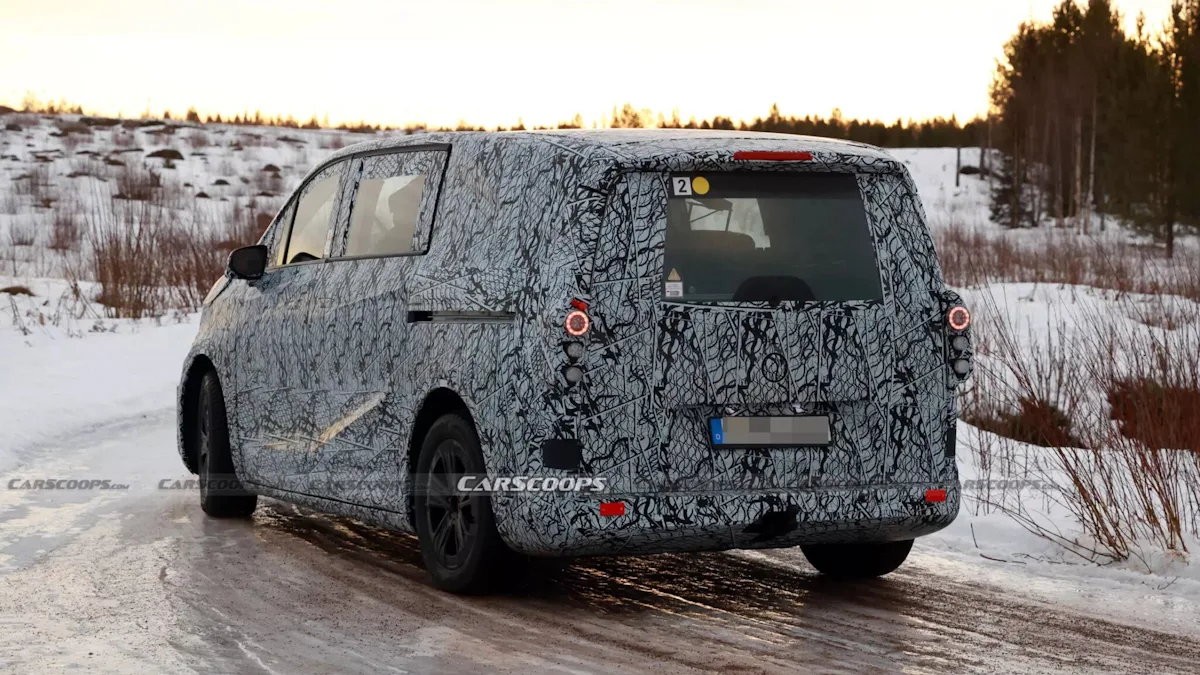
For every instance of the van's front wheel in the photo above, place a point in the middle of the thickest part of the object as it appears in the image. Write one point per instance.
(857, 561)
(221, 493)
(457, 532)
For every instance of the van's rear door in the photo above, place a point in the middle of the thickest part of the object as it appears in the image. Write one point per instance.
(725, 301)
(771, 290)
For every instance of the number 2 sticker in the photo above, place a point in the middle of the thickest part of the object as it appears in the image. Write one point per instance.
(682, 185)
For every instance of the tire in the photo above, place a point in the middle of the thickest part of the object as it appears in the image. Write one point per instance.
(857, 561)
(221, 493)
(459, 542)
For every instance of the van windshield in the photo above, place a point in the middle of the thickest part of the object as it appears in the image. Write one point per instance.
(768, 237)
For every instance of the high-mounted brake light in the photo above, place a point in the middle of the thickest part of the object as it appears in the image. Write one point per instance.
(577, 323)
(772, 156)
(958, 318)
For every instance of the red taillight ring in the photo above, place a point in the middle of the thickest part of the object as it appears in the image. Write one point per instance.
(958, 318)
(577, 323)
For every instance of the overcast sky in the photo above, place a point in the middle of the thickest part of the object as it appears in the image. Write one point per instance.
(491, 62)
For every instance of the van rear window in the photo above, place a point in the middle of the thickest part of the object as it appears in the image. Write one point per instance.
(768, 237)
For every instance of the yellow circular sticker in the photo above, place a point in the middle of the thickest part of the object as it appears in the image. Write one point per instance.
(700, 185)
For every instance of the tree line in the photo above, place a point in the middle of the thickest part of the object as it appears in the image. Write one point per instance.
(936, 132)
(933, 133)
(1091, 120)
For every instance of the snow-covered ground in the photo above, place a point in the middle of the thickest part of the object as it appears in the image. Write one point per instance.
(59, 380)
(66, 368)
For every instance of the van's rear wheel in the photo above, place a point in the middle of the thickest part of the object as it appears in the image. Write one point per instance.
(459, 542)
(221, 493)
(857, 561)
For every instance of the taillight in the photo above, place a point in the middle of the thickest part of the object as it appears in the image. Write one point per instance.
(577, 323)
(958, 318)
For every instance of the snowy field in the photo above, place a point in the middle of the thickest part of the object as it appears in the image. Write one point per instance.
(66, 366)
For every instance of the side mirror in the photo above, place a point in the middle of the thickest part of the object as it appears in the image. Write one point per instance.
(248, 262)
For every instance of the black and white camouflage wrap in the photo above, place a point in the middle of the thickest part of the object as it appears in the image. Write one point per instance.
(324, 376)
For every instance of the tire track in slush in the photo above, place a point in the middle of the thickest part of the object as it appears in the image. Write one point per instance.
(719, 612)
(299, 592)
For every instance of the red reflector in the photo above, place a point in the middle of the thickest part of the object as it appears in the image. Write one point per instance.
(935, 495)
(579, 304)
(610, 509)
(772, 156)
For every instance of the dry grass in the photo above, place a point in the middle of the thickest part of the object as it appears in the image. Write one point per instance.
(1110, 388)
(268, 183)
(1114, 401)
(124, 258)
(37, 185)
(152, 256)
(88, 166)
(65, 230)
(976, 257)
(332, 141)
(10, 203)
(22, 232)
(137, 183)
(76, 136)
(198, 139)
(1155, 415)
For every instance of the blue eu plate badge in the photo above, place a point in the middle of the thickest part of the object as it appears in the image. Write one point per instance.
(718, 435)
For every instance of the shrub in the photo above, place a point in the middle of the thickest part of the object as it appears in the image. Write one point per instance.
(137, 183)
(1114, 402)
(124, 259)
(1035, 422)
(1158, 416)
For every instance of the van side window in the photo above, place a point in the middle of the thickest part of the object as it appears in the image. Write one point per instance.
(392, 212)
(385, 215)
(314, 215)
(273, 237)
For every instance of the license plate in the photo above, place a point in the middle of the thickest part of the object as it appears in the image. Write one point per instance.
(769, 431)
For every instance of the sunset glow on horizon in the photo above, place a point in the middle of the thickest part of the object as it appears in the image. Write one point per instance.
(492, 63)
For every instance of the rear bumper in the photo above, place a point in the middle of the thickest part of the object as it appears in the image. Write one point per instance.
(570, 525)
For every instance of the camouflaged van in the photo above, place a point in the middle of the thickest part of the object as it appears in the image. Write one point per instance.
(590, 343)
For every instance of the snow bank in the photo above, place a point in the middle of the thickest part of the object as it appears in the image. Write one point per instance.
(59, 380)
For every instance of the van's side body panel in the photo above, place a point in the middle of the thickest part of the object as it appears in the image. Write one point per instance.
(526, 222)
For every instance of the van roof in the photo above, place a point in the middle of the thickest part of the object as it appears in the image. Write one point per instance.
(639, 145)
